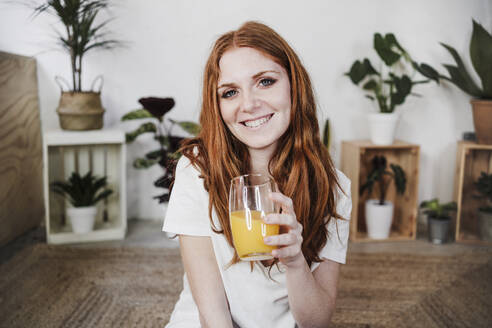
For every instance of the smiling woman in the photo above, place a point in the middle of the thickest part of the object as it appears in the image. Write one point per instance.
(258, 116)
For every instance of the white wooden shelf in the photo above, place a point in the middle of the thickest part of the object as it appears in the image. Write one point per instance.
(104, 153)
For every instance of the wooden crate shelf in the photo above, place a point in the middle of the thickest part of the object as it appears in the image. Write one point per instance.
(471, 160)
(356, 163)
(104, 153)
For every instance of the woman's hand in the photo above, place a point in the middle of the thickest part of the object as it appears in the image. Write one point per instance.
(289, 239)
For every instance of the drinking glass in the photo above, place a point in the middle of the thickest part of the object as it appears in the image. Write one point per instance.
(248, 204)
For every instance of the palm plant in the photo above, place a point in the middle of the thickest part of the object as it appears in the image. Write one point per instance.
(81, 33)
(382, 176)
(436, 210)
(484, 188)
(389, 86)
(84, 190)
(153, 111)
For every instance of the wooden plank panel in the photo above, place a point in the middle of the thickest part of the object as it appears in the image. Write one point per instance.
(21, 190)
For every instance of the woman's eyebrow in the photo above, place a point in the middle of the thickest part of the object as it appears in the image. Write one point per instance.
(257, 75)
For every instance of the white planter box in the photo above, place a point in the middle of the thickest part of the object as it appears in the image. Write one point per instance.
(104, 153)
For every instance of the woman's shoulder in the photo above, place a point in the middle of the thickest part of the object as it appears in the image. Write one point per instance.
(343, 181)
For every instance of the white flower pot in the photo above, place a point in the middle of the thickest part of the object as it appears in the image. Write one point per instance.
(382, 127)
(378, 218)
(82, 218)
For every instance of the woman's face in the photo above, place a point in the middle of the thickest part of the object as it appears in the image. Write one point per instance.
(254, 97)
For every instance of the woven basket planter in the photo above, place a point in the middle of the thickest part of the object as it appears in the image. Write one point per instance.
(80, 111)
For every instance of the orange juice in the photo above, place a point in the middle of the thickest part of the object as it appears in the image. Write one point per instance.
(248, 231)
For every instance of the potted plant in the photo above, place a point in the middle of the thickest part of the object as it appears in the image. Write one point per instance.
(480, 55)
(78, 109)
(83, 192)
(438, 219)
(390, 85)
(484, 188)
(379, 212)
(153, 111)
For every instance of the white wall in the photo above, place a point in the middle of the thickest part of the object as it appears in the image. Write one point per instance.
(169, 42)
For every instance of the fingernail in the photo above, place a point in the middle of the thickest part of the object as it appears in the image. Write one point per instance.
(266, 240)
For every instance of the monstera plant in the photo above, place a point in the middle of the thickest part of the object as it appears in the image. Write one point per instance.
(165, 155)
(390, 85)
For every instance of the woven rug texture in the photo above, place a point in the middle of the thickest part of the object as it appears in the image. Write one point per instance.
(60, 286)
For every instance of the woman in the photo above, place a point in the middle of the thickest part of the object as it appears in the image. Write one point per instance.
(258, 116)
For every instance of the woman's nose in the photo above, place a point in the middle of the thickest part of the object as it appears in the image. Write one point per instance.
(249, 101)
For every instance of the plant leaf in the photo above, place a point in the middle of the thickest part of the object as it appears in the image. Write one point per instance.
(137, 114)
(459, 74)
(427, 71)
(144, 128)
(384, 50)
(481, 56)
(144, 163)
(190, 127)
(400, 178)
(326, 134)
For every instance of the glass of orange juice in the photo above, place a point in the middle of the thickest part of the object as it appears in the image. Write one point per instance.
(249, 202)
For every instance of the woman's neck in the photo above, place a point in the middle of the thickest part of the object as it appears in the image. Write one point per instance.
(260, 158)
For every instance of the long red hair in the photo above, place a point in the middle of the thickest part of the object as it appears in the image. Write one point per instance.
(301, 165)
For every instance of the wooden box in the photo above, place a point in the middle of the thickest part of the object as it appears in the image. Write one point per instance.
(471, 160)
(104, 153)
(356, 164)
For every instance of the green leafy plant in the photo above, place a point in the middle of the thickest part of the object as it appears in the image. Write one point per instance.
(393, 82)
(84, 190)
(484, 188)
(327, 135)
(166, 155)
(436, 210)
(480, 55)
(81, 33)
(382, 176)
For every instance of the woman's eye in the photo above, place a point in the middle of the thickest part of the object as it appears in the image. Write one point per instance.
(266, 82)
(229, 93)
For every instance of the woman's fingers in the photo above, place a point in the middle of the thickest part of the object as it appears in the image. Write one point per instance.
(285, 202)
(286, 252)
(282, 219)
(284, 239)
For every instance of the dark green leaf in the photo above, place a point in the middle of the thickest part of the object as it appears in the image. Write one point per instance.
(400, 178)
(190, 127)
(459, 74)
(461, 81)
(137, 114)
(156, 154)
(427, 71)
(384, 50)
(391, 41)
(357, 72)
(370, 85)
(326, 134)
(144, 163)
(144, 128)
(481, 56)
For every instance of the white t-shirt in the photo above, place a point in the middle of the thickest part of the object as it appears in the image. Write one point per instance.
(255, 300)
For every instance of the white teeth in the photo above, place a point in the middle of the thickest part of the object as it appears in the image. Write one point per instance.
(258, 122)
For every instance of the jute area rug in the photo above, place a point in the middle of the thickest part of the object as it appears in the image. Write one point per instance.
(59, 286)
